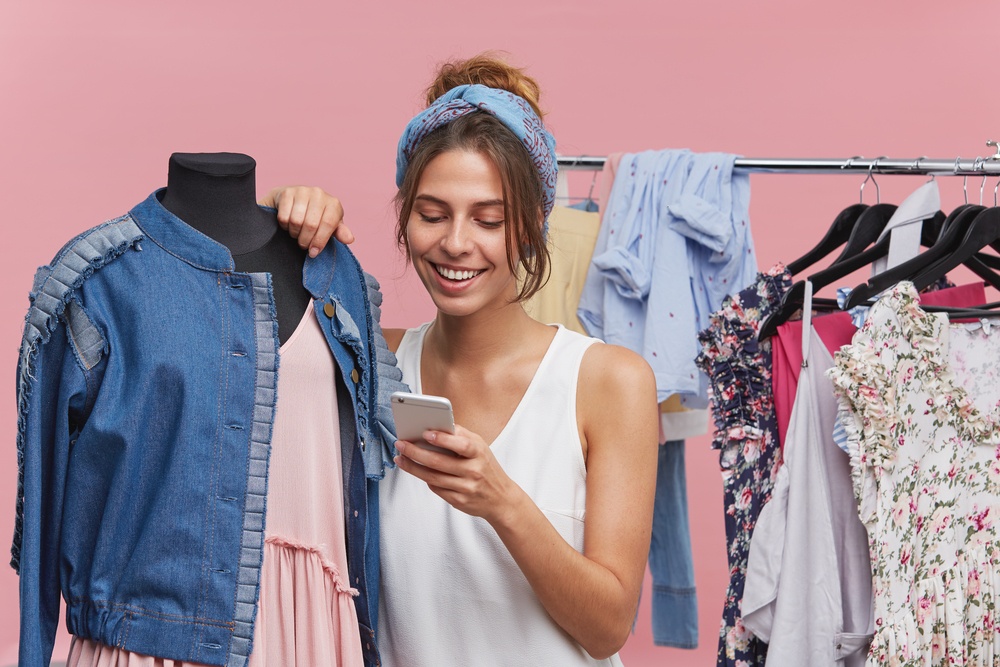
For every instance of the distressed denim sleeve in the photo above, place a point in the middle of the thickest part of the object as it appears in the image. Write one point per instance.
(51, 392)
(388, 380)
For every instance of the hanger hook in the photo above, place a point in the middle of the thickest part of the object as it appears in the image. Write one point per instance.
(976, 166)
(916, 165)
(870, 177)
(996, 145)
(965, 179)
(850, 163)
(593, 182)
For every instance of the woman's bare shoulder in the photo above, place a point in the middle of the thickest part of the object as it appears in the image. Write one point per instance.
(614, 367)
(393, 337)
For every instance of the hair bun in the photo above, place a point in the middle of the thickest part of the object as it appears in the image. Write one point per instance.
(487, 70)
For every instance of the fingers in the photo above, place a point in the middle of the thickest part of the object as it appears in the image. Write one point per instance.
(421, 463)
(463, 442)
(330, 222)
(426, 457)
(311, 216)
(271, 198)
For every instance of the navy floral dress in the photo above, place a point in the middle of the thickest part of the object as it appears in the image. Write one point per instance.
(746, 435)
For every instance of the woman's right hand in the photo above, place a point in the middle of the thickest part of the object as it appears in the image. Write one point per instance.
(310, 215)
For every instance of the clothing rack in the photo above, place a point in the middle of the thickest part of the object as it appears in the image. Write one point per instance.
(980, 166)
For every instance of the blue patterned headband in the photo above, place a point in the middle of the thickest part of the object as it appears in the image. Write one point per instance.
(508, 108)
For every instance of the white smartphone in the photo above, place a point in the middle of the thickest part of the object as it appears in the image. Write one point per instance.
(416, 413)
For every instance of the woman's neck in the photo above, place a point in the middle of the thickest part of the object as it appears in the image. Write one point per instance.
(478, 339)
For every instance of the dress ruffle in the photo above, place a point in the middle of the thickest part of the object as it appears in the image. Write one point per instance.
(739, 372)
(738, 365)
(925, 469)
(309, 599)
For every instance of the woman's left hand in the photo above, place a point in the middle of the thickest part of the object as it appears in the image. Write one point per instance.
(469, 479)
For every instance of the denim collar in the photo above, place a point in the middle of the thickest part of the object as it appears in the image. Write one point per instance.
(188, 244)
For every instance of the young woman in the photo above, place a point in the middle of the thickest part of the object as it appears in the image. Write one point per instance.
(526, 544)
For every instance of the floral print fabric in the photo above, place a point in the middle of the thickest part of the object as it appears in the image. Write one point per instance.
(739, 372)
(926, 474)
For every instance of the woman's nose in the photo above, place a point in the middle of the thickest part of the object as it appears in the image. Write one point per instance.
(457, 239)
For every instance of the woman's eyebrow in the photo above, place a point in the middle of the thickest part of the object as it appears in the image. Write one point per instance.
(435, 200)
(432, 199)
(489, 202)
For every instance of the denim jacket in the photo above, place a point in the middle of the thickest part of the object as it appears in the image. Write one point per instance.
(146, 396)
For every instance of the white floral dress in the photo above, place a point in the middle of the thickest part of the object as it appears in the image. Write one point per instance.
(919, 402)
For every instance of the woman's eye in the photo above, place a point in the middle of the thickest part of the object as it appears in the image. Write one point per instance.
(490, 224)
(431, 218)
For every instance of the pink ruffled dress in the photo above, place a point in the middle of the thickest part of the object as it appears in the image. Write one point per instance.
(305, 614)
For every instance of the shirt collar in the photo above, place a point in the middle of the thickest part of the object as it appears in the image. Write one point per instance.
(187, 243)
(179, 238)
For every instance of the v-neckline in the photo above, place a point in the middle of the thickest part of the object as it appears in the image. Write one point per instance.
(560, 329)
(299, 328)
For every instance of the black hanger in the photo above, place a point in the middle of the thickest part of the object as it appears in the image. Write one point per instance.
(837, 235)
(985, 310)
(867, 230)
(992, 261)
(984, 231)
(851, 259)
(954, 229)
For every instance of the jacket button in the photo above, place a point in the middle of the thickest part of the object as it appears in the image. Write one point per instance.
(354, 375)
(330, 310)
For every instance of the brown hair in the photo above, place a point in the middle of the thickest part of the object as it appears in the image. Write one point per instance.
(480, 132)
(486, 69)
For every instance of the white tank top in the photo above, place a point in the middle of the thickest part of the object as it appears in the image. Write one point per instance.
(451, 594)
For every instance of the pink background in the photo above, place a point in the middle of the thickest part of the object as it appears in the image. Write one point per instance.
(95, 96)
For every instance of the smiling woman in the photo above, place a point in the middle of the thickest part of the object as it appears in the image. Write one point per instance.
(516, 196)
(528, 545)
(456, 235)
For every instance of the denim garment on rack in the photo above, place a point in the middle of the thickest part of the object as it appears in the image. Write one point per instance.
(146, 396)
(675, 605)
(588, 205)
(714, 215)
(674, 241)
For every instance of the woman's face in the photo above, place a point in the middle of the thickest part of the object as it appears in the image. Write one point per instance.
(456, 234)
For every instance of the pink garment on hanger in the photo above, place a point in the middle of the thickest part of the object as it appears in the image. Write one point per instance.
(837, 330)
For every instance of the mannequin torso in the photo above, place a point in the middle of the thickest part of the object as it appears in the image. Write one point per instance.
(216, 194)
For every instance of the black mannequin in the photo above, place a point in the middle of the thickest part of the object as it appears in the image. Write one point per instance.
(216, 194)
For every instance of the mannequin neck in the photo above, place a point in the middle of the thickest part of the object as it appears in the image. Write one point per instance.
(216, 194)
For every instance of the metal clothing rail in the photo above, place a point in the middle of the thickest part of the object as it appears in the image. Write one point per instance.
(980, 166)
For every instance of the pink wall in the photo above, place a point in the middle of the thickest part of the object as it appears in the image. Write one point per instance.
(95, 97)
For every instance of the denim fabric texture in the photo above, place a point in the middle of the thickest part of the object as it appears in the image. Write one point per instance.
(674, 241)
(146, 394)
(675, 605)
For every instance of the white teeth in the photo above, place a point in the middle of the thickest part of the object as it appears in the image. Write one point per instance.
(456, 275)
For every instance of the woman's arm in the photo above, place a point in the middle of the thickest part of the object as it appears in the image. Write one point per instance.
(310, 215)
(594, 595)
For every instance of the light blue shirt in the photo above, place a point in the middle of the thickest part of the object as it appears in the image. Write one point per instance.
(674, 242)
